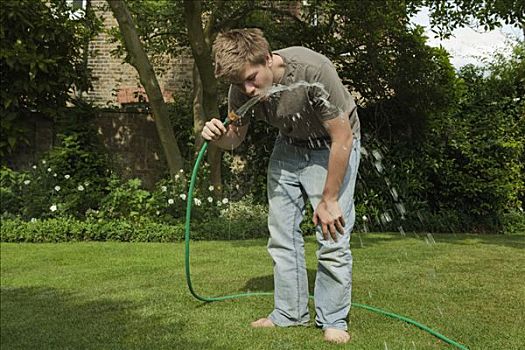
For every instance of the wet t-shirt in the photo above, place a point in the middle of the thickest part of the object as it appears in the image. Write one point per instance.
(309, 93)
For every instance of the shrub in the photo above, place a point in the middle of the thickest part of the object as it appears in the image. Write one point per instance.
(67, 229)
(71, 229)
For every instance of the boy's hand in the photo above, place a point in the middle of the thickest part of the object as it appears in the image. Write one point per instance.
(328, 214)
(213, 130)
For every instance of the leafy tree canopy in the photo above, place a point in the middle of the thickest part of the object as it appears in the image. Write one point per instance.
(41, 60)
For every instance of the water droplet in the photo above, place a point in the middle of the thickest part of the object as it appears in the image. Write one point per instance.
(377, 155)
(393, 192)
(386, 218)
(378, 166)
(401, 209)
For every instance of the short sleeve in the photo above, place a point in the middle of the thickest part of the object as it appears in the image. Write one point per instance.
(328, 96)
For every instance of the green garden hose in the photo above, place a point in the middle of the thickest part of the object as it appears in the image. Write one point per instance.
(235, 296)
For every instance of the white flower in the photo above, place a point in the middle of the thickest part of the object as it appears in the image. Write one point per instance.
(182, 196)
(237, 187)
(157, 212)
(171, 201)
(55, 174)
(219, 203)
(181, 171)
(57, 188)
(34, 167)
(225, 201)
(33, 220)
(365, 218)
(67, 177)
(48, 170)
(197, 202)
(211, 188)
(53, 207)
(210, 199)
(27, 182)
(164, 188)
(80, 188)
(177, 177)
(43, 162)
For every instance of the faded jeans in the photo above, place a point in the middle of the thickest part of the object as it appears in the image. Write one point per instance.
(294, 174)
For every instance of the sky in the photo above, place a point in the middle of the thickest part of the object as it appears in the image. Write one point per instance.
(468, 45)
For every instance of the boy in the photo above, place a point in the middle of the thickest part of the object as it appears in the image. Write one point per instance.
(316, 156)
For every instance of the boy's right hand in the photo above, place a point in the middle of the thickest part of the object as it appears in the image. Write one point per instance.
(213, 130)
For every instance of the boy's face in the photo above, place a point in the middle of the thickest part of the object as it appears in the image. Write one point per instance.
(255, 79)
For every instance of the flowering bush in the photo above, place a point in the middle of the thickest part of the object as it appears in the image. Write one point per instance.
(67, 181)
(42, 193)
(125, 211)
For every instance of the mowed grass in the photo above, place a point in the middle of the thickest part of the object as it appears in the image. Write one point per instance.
(134, 296)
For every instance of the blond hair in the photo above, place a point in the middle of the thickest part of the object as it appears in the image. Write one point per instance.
(233, 49)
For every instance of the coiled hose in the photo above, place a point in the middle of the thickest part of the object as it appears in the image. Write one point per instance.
(235, 296)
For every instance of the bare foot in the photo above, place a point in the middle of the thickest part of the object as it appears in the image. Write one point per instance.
(337, 336)
(262, 323)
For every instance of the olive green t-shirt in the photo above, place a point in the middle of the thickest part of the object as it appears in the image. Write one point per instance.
(312, 92)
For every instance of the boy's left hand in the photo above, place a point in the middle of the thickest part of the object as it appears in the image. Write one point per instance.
(328, 214)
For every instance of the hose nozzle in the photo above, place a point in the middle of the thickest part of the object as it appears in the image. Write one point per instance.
(233, 117)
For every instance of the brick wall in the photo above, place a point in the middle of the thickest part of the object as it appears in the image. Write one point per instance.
(116, 83)
(131, 140)
(134, 146)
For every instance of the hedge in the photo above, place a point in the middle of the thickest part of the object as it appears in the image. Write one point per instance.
(74, 230)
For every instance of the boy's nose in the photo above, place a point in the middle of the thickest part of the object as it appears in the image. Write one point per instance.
(249, 88)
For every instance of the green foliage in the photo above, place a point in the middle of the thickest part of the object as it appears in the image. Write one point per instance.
(477, 152)
(440, 153)
(239, 220)
(10, 182)
(66, 229)
(141, 229)
(466, 172)
(124, 199)
(41, 58)
(445, 16)
(513, 222)
(68, 180)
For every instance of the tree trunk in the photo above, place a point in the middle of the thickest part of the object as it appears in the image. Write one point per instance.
(207, 96)
(198, 115)
(148, 79)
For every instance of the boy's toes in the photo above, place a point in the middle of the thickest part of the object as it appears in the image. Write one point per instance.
(338, 336)
(262, 323)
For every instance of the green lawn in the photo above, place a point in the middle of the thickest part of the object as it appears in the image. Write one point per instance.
(133, 295)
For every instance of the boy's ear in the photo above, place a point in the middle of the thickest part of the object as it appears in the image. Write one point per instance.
(269, 59)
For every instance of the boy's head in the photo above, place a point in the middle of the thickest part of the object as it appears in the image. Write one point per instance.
(238, 52)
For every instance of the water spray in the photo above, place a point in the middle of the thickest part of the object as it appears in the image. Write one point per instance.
(232, 118)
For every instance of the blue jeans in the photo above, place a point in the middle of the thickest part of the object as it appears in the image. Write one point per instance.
(294, 174)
